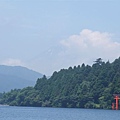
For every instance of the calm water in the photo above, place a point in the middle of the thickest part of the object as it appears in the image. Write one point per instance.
(34, 113)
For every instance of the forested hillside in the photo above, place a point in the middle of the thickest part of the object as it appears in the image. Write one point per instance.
(81, 86)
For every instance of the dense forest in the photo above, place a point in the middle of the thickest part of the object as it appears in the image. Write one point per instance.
(79, 86)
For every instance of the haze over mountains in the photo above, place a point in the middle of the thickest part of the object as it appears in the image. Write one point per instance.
(12, 77)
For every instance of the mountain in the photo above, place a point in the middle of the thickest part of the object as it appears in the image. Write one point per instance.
(79, 86)
(12, 77)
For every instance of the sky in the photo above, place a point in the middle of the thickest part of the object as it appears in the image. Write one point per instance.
(49, 35)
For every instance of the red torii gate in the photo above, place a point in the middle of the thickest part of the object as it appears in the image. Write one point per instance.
(117, 98)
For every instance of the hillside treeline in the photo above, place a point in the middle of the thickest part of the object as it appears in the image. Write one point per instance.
(79, 86)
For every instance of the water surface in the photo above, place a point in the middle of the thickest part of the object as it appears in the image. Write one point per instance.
(39, 113)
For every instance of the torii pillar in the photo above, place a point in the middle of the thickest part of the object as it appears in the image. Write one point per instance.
(113, 106)
(117, 101)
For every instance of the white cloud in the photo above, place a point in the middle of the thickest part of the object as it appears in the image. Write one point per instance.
(89, 45)
(13, 62)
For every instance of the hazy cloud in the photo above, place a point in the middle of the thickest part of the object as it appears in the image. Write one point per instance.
(13, 62)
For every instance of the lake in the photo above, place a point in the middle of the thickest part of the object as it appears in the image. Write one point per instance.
(40, 113)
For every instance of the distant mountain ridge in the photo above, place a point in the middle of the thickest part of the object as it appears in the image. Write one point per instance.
(12, 77)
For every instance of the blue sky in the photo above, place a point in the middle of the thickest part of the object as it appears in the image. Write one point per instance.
(48, 35)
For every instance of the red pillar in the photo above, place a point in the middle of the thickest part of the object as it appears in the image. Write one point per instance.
(116, 98)
(113, 106)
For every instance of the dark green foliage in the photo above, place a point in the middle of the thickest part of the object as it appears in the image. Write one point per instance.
(81, 86)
